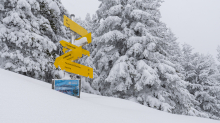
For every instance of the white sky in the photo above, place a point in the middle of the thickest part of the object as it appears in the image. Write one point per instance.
(195, 22)
(81, 7)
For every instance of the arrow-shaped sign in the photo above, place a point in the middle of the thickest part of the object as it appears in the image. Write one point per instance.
(74, 26)
(76, 68)
(76, 51)
(74, 48)
(70, 56)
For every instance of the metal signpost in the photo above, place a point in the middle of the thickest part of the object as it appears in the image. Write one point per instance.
(65, 62)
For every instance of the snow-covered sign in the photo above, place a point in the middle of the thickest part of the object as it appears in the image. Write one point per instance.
(76, 68)
(70, 87)
(76, 51)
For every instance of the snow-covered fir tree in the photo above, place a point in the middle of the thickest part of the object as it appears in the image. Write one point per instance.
(202, 73)
(218, 55)
(30, 35)
(135, 57)
(133, 54)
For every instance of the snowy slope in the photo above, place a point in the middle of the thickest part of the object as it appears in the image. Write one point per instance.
(25, 100)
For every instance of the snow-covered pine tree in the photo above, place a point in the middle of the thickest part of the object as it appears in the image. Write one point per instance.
(202, 73)
(135, 56)
(30, 35)
(218, 55)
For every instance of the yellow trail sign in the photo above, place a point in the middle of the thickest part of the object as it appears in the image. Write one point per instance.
(74, 26)
(84, 52)
(68, 56)
(76, 52)
(65, 61)
(68, 45)
(76, 68)
(76, 49)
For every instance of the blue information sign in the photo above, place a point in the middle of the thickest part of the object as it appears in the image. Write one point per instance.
(70, 87)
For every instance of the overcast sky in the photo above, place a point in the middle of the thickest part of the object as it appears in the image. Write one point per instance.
(195, 22)
(81, 7)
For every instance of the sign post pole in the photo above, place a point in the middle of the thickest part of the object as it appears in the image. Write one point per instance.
(73, 36)
(74, 52)
(72, 16)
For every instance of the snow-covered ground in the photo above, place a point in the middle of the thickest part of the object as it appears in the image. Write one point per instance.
(26, 100)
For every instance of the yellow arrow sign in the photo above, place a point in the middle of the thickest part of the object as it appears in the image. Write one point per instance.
(74, 26)
(74, 48)
(76, 52)
(68, 56)
(68, 45)
(76, 68)
(64, 61)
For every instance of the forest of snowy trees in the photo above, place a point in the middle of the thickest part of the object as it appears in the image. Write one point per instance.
(134, 55)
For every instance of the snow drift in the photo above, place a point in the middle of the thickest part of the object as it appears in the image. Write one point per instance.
(26, 100)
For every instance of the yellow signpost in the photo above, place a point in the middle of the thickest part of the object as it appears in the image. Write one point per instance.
(76, 49)
(65, 61)
(76, 68)
(74, 26)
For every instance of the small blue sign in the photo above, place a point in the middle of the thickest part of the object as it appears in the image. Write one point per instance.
(70, 87)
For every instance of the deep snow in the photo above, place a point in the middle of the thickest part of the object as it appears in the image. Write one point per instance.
(26, 100)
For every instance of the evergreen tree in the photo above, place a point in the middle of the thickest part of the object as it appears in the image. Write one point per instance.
(218, 55)
(202, 73)
(135, 56)
(30, 35)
